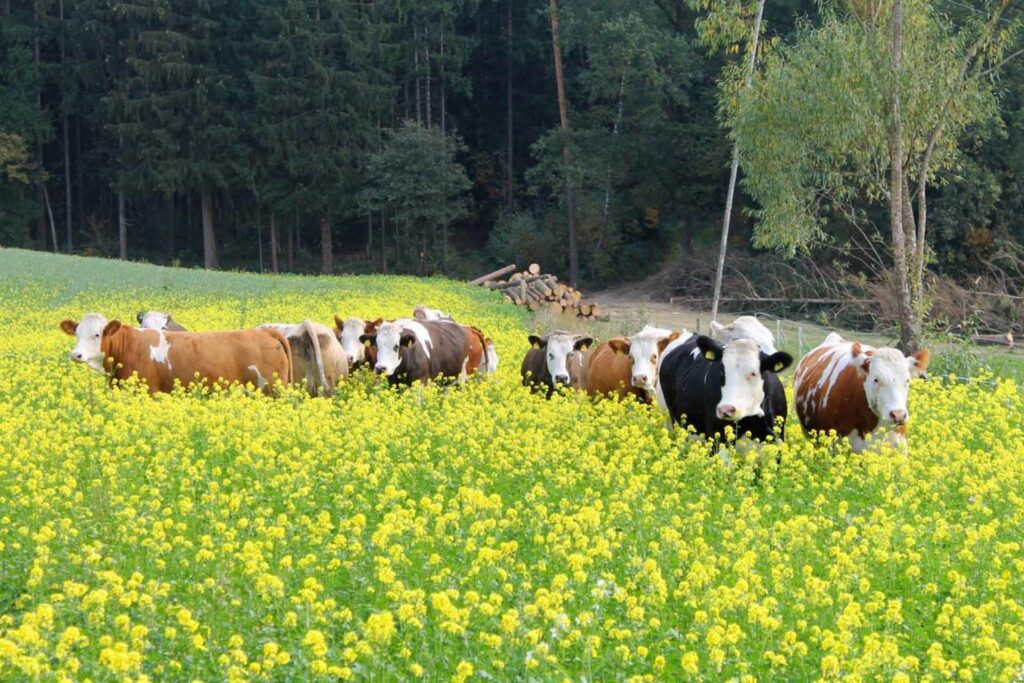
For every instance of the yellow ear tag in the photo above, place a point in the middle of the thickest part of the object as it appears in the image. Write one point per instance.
(408, 343)
(366, 343)
(710, 355)
(779, 366)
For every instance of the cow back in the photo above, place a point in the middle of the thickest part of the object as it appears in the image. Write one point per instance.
(829, 392)
(609, 373)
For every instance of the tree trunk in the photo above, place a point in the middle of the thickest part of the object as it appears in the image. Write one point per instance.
(602, 233)
(734, 171)
(383, 244)
(41, 238)
(53, 224)
(291, 243)
(369, 236)
(209, 241)
(122, 228)
(440, 79)
(426, 62)
(275, 242)
(69, 228)
(169, 227)
(416, 71)
(326, 249)
(259, 234)
(563, 114)
(509, 182)
(79, 185)
(908, 322)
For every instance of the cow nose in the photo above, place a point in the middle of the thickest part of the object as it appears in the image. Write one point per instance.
(898, 416)
(378, 369)
(640, 379)
(726, 411)
(76, 356)
(562, 379)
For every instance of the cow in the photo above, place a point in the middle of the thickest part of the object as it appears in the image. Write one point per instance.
(157, 320)
(626, 366)
(556, 359)
(710, 387)
(479, 351)
(317, 356)
(420, 350)
(349, 332)
(744, 327)
(857, 390)
(490, 356)
(88, 340)
(160, 358)
(421, 312)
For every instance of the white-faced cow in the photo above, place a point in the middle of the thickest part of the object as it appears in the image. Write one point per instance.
(857, 390)
(556, 359)
(350, 332)
(88, 336)
(158, 320)
(317, 356)
(421, 350)
(744, 327)
(626, 366)
(160, 358)
(710, 387)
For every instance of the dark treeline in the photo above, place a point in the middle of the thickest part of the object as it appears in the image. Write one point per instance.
(421, 136)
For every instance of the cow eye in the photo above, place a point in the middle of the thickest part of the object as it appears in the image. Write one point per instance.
(96, 336)
(654, 359)
(752, 375)
(396, 348)
(876, 380)
(551, 356)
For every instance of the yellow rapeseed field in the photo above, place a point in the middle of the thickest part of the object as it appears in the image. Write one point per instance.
(480, 533)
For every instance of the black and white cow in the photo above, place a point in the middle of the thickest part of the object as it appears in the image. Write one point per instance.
(158, 320)
(711, 387)
(420, 350)
(556, 359)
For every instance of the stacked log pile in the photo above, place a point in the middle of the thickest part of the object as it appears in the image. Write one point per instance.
(539, 291)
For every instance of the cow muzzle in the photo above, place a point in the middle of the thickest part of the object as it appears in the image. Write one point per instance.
(726, 412)
(561, 379)
(77, 357)
(643, 382)
(898, 417)
(380, 370)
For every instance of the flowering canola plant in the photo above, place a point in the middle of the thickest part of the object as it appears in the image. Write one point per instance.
(479, 533)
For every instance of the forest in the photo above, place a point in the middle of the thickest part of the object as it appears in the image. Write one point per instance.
(595, 136)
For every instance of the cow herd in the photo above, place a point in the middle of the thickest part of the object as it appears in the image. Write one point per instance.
(731, 384)
(720, 386)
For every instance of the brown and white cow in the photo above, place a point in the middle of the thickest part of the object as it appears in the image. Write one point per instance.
(159, 358)
(627, 366)
(420, 350)
(857, 390)
(556, 359)
(158, 320)
(350, 332)
(317, 356)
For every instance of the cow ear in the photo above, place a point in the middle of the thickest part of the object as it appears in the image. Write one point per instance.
(537, 342)
(717, 327)
(583, 343)
(408, 340)
(112, 327)
(855, 349)
(70, 327)
(663, 344)
(339, 323)
(865, 365)
(368, 339)
(711, 349)
(372, 325)
(619, 345)
(918, 363)
(777, 362)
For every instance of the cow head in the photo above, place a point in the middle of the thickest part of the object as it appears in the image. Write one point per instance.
(350, 333)
(644, 349)
(88, 336)
(557, 348)
(887, 373)
(421, 312)
(744, 365)
(390, 339)
(744, 327)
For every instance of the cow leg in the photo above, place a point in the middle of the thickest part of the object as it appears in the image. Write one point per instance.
(858, 444)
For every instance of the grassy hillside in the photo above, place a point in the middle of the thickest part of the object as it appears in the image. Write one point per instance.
(480, 533)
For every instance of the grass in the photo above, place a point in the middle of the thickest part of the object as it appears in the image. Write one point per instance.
(482, 533)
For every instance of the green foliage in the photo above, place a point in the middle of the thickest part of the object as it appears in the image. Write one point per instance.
(813, 130)
(520, 238)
